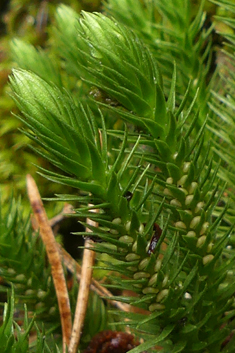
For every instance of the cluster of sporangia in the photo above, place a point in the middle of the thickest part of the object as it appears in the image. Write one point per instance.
(193, 224)
(145, 264)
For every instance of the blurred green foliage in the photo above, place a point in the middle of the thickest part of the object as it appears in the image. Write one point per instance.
(32, 22)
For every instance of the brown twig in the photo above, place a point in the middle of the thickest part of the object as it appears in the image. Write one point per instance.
(54, 259)
(83, 294)
(67, 209)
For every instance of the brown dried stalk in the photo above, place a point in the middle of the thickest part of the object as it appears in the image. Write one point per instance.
(67, 209)
(83, 294)
(54, 259)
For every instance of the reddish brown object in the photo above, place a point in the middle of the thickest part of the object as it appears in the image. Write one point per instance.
(111, 342)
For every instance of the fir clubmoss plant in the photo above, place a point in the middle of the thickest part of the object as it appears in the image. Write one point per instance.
(139, 154)
(15, 338)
